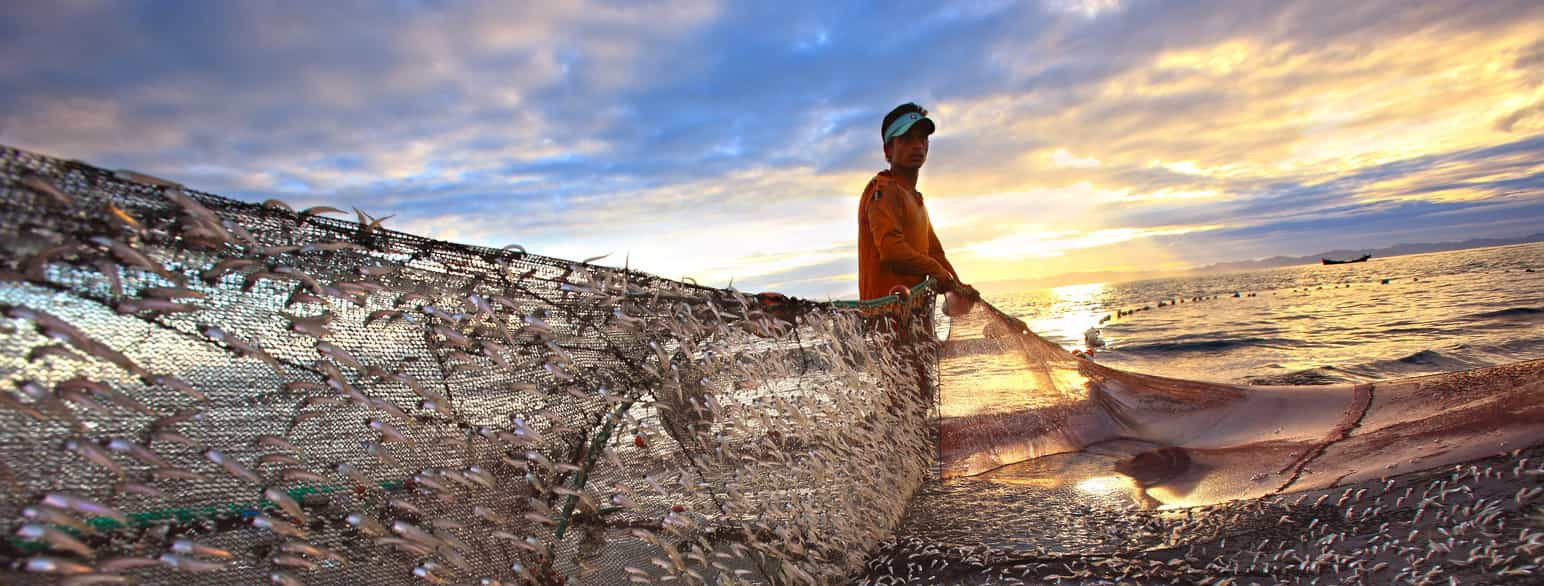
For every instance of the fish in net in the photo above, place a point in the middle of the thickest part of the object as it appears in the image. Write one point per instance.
(233, 393)
(204, 389)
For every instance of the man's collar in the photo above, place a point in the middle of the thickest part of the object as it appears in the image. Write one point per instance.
(886, 177)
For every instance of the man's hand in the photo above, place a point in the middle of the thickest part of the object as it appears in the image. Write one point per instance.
(953, 286)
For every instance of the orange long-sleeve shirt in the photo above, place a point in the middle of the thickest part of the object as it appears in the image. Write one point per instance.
(896, 243)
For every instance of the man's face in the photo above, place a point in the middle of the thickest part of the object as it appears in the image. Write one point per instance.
(910, 149)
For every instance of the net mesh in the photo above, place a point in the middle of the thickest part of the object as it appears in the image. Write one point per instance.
(204, 389)
(248, 394)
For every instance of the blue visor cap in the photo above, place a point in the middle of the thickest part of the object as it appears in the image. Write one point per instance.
(905, 122)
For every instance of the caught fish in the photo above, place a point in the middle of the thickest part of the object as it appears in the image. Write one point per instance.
(95, 578)
(273, 441)
(58, 350)
(120, 564)
(42, 186)
(286, 504)
(368, 224)
(42, 564)
(293, 561)
(188, 564)
(137, 177)
(233, 467)
(389, 433)
(190, 547)
(304, 548)
(339, 355)
(277, 526)
(177, 384)
(123, 218)
(366, 525)
(300, 474)
(278, 459)
(138, 452)
(53, 516)
(171, 293)
(94, 454)
(83, 505)
(56, 539)
(213, 274)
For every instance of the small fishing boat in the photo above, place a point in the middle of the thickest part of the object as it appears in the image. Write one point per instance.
(1331, 261)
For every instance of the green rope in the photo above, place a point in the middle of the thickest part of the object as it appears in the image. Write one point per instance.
(190, 514)
(598, 444)
(886, 300)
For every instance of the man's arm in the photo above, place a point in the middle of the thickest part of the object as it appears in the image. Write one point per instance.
(894, 253)
(936, 250)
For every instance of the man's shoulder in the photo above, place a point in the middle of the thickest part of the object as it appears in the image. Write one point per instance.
(878, 187)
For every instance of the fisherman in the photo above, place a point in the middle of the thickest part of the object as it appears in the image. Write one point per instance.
(896, 243)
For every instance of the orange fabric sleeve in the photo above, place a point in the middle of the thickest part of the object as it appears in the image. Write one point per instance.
(936, 250)
(894, 253)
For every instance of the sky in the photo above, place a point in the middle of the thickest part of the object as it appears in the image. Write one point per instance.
(728, 142)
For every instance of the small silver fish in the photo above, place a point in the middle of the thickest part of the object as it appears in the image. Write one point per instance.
(285, 502)
(42, 186)
(94, 454)
(274, 441)
(93, 579)
(293, 561)
(83, 505)
(300, 474)
(233, 467)
(53, 516)
(187, 564)
(277, 526)
(190, 547)
(42, 564)
(177, 384)
(366, 525)
(55, 539)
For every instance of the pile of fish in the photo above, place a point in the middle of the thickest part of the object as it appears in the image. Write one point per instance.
(202, 390)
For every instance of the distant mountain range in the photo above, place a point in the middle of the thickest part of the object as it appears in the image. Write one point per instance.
(1395, 250)
(1264, 263)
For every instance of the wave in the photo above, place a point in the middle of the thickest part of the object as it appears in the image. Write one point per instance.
(1208, 345)
(1416, 363)
(1511, 313)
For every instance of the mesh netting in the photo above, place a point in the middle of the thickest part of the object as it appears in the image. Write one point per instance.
(200, 389)
(198, 386)
(1058, 469)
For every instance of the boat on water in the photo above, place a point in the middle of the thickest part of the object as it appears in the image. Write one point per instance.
(1331, 261)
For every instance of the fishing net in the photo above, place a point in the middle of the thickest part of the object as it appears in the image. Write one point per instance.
(1056, 468)
(232, 393)
(197, 386)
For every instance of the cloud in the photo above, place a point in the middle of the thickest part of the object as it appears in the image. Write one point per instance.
(730, 141)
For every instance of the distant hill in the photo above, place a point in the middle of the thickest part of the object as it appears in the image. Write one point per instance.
(1263, 263)
(1395, 250)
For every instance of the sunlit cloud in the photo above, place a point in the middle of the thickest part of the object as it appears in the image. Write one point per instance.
(1051, 243)
(729, 141)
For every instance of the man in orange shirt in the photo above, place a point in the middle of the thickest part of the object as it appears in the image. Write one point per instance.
(896, 243)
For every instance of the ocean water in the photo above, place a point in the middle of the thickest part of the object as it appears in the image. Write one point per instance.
(1392, 482)
(1311, 324)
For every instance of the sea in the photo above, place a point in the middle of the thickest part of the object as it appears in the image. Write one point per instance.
(1068, 518)
(1311, 324)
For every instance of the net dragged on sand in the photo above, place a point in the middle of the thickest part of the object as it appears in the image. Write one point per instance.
(242, 393)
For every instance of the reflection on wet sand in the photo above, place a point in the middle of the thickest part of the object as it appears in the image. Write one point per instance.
(1012, 397)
